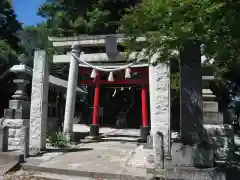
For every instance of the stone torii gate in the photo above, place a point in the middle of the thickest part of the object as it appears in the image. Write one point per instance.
(158, 79)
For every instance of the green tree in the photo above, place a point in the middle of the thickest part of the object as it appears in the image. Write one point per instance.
(168, 24)
(9, 42)
(73, 17)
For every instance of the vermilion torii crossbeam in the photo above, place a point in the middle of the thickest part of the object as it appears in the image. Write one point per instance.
(117, 82)
(141, 70)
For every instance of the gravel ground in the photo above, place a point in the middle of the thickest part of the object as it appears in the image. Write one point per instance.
(21, 175)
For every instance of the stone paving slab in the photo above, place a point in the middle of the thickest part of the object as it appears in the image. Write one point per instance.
(117, 156)
(6, 165)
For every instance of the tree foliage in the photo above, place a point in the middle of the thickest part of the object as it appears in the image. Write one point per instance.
(9, 41)
(169, 23)
(74, 17)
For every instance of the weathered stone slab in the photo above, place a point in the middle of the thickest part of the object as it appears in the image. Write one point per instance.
(159, 85)
(39, 101)
(191, 116)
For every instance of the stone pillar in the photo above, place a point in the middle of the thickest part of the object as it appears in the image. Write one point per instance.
(196, 146)
(71, 92)
(159, 86)
(39, 102)
(191, 116)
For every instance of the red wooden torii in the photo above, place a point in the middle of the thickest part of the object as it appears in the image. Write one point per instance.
(143, 81)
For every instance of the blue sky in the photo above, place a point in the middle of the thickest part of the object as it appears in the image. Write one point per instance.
(26, 11)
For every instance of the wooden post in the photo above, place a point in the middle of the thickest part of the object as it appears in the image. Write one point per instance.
(94, 128)
(145, 129)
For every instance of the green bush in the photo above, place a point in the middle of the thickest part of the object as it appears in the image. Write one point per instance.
(59, 140)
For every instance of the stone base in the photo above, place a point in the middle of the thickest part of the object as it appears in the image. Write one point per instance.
(186, 155)
(15, 132)
(223, 137)
(189, 173)
(144, 132)
(94, 130)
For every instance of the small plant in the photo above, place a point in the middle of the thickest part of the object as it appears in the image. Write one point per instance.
(59, 140)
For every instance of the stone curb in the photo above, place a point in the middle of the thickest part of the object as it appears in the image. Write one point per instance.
(82, 173)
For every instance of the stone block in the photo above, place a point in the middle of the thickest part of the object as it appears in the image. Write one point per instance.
(209, 97)
(185, 155)
(24, 141)
(219, 130)
(213, 118)
(12, 132)
(3, 139)
(223, 137)
(190, 173)
(19, 104)
(210, 106)
(14, 123)
(21, 114)
(9, 113)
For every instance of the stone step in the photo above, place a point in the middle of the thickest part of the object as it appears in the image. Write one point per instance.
(45, 176)
(53, 176)
(12, 156)
(80, 173)
(9, 161)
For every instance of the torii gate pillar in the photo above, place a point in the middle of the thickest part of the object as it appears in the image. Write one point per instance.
(71, 93)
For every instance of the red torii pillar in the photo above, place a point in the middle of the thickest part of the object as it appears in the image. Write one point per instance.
(145, 128)
(94, 127)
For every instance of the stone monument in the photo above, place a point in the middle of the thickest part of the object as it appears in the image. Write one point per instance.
(39, 103)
